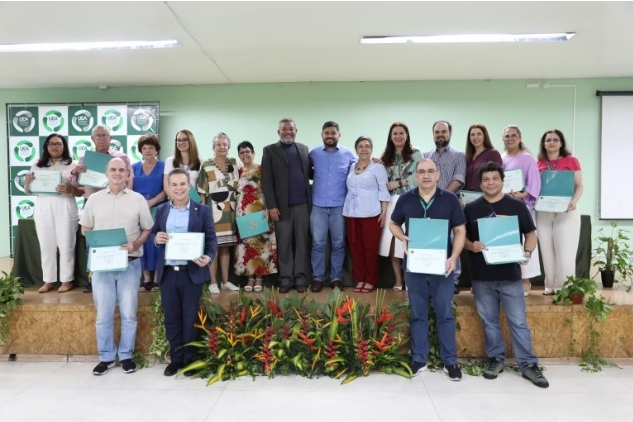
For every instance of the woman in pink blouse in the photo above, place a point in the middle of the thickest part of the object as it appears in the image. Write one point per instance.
(558, 233)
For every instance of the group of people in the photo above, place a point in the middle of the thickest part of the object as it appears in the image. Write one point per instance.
(357, 200)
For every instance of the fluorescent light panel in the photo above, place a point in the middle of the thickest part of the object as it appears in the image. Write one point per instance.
(88, 46)
(467, 38)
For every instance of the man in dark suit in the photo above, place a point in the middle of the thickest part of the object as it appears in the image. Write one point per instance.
(181, 281)
(285, 181)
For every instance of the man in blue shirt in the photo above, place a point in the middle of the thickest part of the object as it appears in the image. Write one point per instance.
(429, 201)
(330, 164)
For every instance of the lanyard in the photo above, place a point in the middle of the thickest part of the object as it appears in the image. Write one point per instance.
(425, 207)
(552, 167)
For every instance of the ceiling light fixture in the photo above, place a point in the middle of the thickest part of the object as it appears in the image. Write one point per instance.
(466, 38)
(88, 46)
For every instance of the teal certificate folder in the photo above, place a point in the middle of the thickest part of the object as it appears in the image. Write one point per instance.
(513, 181)
(194, 195)
(253, 224)
(468, 196)
(502, 238)
(96, 165)
(428, 239)
(104, 250)
(557, 189)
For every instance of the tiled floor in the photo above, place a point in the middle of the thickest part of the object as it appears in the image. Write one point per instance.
(67, 391)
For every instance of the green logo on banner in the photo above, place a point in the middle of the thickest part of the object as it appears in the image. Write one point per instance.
(24, 151)
(116, 144)
(25, 209)
(83, 121)
(142, 120)
(112, 119)
(135, 152)
(23, 121)
(80, 203)
(19, 180)
(80, 148)
(53, 121)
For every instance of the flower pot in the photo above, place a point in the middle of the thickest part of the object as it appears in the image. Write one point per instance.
(607, 278)
(576, 298)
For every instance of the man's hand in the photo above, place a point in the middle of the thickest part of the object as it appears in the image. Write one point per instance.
(274, 214)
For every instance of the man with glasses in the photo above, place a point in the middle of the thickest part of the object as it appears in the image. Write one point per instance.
(101, 138)
(500, 284)
(429, 201)
(452, 164)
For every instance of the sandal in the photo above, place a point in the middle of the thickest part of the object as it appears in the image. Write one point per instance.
(155, 287)
(398, 288)
(249, 286)
(366, 289)
(359, 287)
(258, 285)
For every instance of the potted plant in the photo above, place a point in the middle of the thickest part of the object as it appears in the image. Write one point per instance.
(10, 288)
(574, 290)
(613, 256)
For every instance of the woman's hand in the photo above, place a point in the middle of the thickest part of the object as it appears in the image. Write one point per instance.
(382, 218)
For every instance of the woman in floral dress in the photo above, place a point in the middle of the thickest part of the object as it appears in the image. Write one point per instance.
(255, 256)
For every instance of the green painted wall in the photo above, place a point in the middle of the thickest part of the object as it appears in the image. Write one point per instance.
(251, 111)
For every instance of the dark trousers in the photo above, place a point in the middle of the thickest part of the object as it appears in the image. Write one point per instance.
(293, 243)
(181, 301)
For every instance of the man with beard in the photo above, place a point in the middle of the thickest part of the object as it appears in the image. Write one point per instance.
(452, 165)
(285, 182)
(331, 163)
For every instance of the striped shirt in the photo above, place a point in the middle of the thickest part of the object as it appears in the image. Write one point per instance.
(452, 165)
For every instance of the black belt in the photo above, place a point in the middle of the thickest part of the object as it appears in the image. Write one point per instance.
(176, 267)
(132, 258)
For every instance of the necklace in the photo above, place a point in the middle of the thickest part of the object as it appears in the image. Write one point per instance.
(360, 169)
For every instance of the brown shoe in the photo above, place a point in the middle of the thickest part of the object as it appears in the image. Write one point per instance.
(65, 287)
(317, 286)
(47, 287)
(337, 284)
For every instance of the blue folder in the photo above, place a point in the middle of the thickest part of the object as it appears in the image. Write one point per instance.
(428, 233)
(96, 161)
(557, 183)
(194, 195)
(253, 224)
(499, 231)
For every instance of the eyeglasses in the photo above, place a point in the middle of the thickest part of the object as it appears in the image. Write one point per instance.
(429, 172)
(101, 135)
(514, 135)
(55, 144)
(182, 141)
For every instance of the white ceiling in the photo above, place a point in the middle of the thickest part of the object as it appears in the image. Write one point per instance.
(250, 42)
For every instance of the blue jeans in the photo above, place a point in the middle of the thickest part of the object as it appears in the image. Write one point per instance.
(322, 222)
(421, 288)
(108, 287)
(488, 296)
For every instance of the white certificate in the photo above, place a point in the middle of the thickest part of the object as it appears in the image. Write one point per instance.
(107, 258)
(427, 261)
(93, 179)
(513, 181)
(504, 254)
(468, 196)
(184, 246)
(45, 181)
(552, 203)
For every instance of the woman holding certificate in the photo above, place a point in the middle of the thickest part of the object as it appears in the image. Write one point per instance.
(365, 212)
(185, 157)
(55, 211)
(517, 157)
(148, 181)
(218, 182)
(559, 232)
(255, 256)
(479, 150)
(399, 159)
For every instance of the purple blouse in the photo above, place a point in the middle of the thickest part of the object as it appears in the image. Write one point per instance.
(472, 181)
(527, 163)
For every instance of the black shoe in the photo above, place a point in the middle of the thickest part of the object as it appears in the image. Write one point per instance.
(128, 366)
(417, 367)
(301, 289)
(317, 286)
(284, 288)
(102, 368)
(337, 284)
(172, 369)
(456, 290)
(88, 288)
(453, 371)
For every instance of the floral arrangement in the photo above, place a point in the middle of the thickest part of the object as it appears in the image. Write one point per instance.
(268, 335)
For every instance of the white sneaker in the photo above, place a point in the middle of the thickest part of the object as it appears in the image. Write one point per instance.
(214, 289)
(230, 286)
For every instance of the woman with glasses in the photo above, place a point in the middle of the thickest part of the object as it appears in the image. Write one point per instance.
(399, 159)
(185, 157)
(56, 214)
(559, 233)
(255, 256)
(148, 181)
(218, 184)
(517, 156)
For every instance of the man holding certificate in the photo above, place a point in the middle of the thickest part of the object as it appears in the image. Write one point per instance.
(185, 234)
(500, 284)
(438, 213)
(116, 207)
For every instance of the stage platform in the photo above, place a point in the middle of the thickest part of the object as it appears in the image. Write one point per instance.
(54, 325)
